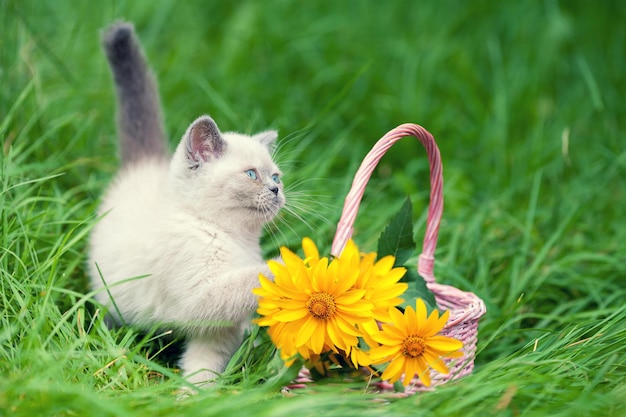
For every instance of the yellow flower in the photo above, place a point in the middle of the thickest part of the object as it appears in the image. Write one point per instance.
(379, 279)
(312, 305)
(411, 345)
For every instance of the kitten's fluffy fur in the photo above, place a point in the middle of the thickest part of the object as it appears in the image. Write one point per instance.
(178, 244)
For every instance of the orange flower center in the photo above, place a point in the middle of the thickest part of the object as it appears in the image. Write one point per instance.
(413, 346)
(321, 305)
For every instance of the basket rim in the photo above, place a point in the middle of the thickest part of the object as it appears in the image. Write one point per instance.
(466, 305)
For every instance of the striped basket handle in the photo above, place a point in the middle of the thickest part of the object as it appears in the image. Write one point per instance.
(345, 227)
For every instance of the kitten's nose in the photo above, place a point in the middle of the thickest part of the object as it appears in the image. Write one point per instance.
(274, 189)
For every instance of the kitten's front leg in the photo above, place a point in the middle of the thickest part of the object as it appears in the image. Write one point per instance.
(207, 355)
(230, 294)
(209, 350)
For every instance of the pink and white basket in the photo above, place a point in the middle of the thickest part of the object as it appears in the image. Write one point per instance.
(465, 307)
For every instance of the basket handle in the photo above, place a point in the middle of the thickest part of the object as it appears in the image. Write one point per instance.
(345, 227)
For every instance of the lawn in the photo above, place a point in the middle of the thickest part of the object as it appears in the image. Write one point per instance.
(526, 101)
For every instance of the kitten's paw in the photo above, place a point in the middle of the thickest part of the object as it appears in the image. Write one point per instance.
(185, 393)
(202, 379)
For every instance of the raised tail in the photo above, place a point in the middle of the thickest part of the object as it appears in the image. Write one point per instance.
(140, 125)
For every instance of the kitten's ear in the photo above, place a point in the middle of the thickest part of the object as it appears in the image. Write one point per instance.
(267, 138)
(203, 141)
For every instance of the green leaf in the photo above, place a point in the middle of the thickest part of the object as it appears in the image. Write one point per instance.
(398, 387)
(417, 289)
(397, 238)
(281, 374)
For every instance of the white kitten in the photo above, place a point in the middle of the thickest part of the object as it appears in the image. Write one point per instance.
(178, 244)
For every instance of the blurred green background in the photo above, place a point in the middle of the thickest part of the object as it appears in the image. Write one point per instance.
(526, 101)
(500, 85)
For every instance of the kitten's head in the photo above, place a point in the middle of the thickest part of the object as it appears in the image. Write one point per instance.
(227, 178)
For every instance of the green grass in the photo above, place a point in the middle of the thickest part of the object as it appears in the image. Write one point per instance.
(526, 100)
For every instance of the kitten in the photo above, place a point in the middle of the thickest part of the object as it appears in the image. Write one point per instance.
(178, 242)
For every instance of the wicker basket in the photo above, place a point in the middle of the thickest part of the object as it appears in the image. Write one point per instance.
(465, 307)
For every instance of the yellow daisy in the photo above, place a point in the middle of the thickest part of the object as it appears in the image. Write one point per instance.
(379, 279)
(409, 342)
(312, 305)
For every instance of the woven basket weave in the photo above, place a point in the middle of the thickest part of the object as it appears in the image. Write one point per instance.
(465, 307)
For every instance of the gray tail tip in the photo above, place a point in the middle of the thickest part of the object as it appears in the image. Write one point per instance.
(117, 37)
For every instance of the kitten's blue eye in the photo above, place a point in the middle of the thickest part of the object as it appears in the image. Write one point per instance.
(276, 178)
(251, 173)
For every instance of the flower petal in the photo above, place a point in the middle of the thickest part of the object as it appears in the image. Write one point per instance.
(391, 277)
(320, 278)
(435, 323)
(389, 292)
(384, 338)
(290, 315)
(394, 370)
(411, 370)
(383, 353)
(397, 318)
(350, 297)
(335, 335)
(307, 328)
(310, 250)
(316, 341)
(362, 309)
(420, 312)
(423, 372)
(394, 332)
(345, 325)
(344, 280)
(444, 343)
(384, 265)
(435, 362)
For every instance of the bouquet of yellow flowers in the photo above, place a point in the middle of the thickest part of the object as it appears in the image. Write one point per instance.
(315, 306)
(352, 304)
